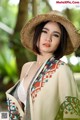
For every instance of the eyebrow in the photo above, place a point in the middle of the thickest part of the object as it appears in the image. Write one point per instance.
(53, 31)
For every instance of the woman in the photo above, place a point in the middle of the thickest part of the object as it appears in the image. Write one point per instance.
(46, 90)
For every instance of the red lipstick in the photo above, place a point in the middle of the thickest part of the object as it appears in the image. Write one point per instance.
(47, 44)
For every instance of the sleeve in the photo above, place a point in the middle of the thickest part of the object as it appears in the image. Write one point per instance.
(14, 108)
(68, 95)
(66, 83)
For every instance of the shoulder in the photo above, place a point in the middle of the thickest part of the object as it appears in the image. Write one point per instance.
(64, 71)
(59, 64)
(24, 69)
(27, 64)
(62, 67)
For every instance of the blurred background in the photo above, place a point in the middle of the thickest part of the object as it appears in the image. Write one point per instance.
(13, 14)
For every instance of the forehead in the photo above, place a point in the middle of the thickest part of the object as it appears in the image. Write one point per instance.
(52, 25)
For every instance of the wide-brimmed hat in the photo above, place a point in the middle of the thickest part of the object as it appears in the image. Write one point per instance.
(28, 30)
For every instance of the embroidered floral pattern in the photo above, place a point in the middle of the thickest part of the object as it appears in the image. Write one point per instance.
(71, 105)
(44, 76)
(13, 111)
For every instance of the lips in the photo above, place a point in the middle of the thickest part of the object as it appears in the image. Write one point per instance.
(46, 44)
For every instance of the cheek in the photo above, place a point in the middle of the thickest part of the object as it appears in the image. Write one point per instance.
(38, 42)
(43, 37)
(56, 44)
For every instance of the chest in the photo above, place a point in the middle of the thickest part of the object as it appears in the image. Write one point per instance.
(30, 76)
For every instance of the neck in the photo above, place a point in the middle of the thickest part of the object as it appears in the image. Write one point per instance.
(42, 58)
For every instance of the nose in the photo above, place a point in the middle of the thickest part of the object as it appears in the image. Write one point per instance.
(49, 38)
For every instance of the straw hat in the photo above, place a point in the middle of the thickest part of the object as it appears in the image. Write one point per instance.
(28, 30)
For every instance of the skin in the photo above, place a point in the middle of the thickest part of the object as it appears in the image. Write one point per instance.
(48, 43)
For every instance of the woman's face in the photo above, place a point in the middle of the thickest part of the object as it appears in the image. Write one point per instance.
(50, 38)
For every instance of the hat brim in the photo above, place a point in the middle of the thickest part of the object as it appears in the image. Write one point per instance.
(28, 31)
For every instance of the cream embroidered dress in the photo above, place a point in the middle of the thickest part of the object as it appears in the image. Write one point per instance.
(51, 95)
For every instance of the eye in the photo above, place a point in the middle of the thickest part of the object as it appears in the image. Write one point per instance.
(44, 31)
(56, 35)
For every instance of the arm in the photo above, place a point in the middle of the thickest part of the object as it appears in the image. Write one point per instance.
(68, 94)
(67, 85)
